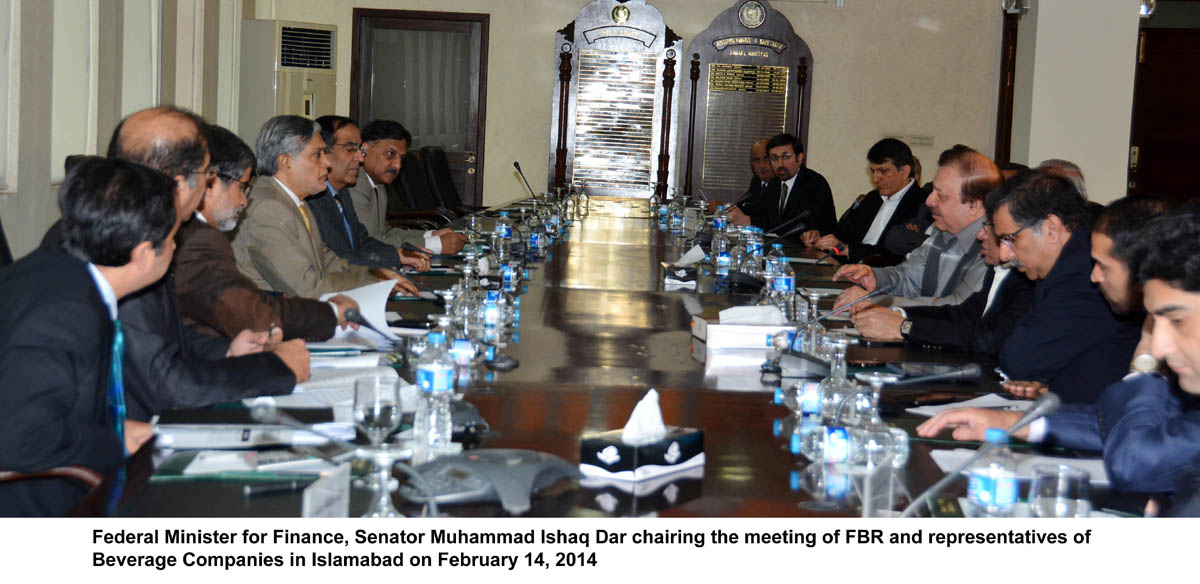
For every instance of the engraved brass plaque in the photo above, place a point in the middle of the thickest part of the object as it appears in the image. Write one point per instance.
(745, 103)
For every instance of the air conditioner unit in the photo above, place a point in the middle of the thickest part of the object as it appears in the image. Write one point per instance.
(287, 68)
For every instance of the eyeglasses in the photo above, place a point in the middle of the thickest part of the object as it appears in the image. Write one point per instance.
(1009, 238)
(349, 147)
(246, 186)
(781, 157)
(208, 174)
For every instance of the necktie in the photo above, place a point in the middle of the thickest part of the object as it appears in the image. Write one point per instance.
(783, 193)
(929, 279)
(345, 221)
(304, 216)
(116, 382)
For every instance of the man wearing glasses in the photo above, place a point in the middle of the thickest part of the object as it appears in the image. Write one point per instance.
(794, 191)
(334, 210)
(1070, 340)
(212, 293)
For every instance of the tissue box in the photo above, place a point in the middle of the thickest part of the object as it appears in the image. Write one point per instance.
(605, 455)
(634, 499)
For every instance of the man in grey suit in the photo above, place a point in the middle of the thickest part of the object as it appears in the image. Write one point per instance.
(278, 245)
(385, 143)
(947, 268)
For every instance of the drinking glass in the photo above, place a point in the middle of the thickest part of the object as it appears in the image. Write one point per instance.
(377, 411)
(1059, 491)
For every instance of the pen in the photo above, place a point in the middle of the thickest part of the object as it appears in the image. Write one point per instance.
(270, 489)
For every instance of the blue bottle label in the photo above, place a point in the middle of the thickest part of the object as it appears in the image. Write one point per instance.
(504, 231)
(837, 445)
(784, 284)
(462, 351)
(723, 264)
(535, 241)
(993, 492)
(435, 379)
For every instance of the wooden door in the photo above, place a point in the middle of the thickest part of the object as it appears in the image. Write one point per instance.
(428, 71)
(1166, 121)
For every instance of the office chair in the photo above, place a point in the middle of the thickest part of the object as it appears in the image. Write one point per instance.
(5, 253)
(441, 181)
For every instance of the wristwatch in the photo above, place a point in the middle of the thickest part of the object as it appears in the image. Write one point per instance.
(905, 327)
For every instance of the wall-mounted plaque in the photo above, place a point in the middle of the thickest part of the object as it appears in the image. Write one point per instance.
(612, 107)
(749, 78)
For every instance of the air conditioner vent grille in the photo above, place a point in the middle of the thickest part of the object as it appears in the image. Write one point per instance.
(309, 48)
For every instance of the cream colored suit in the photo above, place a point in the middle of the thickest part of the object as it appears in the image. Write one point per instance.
(371, 207)
(276, 251)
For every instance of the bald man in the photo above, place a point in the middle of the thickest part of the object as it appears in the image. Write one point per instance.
(168, 366)
(760, 165)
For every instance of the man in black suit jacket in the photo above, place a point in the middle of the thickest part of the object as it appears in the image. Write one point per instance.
(1070, 339)
(896, 199)
(797, 196)
(59, 390)
(980, 324)
(168, 365)
(334, 209)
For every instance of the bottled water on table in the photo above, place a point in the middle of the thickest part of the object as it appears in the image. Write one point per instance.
(837, 386)
(992, 480)
(435, 378)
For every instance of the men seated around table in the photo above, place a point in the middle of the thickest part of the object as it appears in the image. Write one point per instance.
(334, 210)
(1068, 170)
(979, 325)
(1146, 427)
(897, 199)
(385, 143)
(1070, 339)
(168, 365)
(798, 198)
(61, 344)
(947, 268)
(212, 293)
(760, 168)
(278, 245)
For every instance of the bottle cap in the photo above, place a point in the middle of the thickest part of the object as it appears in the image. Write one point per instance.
(504, 213)
(776, 246)
(437, 337)
(995, 436)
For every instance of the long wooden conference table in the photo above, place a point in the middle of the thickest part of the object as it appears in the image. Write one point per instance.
(597, 331)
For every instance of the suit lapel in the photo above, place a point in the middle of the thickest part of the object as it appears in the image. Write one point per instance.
(313, 236)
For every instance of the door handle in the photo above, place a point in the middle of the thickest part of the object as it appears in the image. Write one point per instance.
(470, 159)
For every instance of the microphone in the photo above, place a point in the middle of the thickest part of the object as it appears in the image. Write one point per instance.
(968, 371)
(745, 197)
(517, 165)
(406, 246)
(839, 250)
(799, 227)
(1045, 404)
(353, 316)
(801, 215)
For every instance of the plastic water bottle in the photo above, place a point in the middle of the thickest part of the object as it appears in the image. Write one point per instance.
(719, 220)
(675, 213)
(491, 309)
(503, 237)
(992, 480)
(533, 246)
(435, 378)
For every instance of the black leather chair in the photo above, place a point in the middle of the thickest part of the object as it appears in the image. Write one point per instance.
(441, 181)
(411, 186)
(5, 253)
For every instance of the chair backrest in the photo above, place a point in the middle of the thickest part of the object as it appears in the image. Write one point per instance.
(437, 174)
(413, 185)
(5, 253)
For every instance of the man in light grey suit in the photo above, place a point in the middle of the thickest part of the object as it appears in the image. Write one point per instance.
(385, 143)
(278, 245)
(947, 268)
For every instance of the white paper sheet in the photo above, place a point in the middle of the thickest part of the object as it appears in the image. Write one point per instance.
(948, 460)
(991, 400)
(372, 304)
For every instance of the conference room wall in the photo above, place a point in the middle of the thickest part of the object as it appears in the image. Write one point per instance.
(882, 67)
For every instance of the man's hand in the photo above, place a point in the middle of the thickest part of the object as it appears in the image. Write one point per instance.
(828, 243)
(737, 217)
(452, 241)
(344, 303)
(248, 342)
(136, 434)
(294, 354)
(810, 237)
(878, 323)
(1026, 389)
(850, 295)
(414, 260)
(861, 274)
(403, 286)
(970, 423)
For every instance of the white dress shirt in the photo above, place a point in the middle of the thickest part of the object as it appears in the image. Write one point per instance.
(886, 210)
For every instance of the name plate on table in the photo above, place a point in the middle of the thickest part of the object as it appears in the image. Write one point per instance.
(328, 496)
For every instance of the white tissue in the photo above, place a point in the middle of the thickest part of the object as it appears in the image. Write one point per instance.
(645, 425)
(691, 257)
(752, 315)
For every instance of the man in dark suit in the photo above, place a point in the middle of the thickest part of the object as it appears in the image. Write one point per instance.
(760, 168)
(212, 293)
(1147, 426)
(980, 324)
(169, 365)
(334, 211)
(797, 196)
(897, 199)
(61, 347)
